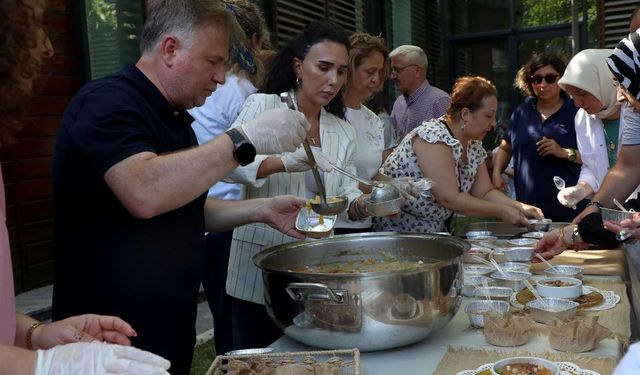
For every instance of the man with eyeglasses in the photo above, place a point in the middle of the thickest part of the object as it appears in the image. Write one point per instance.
(419, 100)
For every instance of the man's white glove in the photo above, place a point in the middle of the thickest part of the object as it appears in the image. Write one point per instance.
(570, 196)
(97, 358)
(276, 130)
(410, 187)
(297, 161)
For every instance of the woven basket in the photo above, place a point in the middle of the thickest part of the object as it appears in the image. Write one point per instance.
(350, 359)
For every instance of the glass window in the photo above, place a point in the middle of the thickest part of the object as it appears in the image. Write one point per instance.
(489, 59)
(470, 16)
(113, 30)
(530, 13)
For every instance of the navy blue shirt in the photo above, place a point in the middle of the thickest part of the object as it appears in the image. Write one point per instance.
(147, 271)
(534, 173)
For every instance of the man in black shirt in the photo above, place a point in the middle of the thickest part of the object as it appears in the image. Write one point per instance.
(130, 184)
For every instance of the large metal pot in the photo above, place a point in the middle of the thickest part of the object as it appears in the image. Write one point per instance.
(370, 311)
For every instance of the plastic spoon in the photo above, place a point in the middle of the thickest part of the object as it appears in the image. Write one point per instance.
(485, 289)
(535, 293)
(559, 182)
(483, 261)
(619, 205)
(546, 262)
(495, 264)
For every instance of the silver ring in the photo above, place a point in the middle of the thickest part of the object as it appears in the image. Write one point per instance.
(624, 234)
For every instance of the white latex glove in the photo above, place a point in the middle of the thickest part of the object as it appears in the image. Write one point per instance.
(570, 196)
(276, 130)
(410, 187)
(297, 161)
(98, 358)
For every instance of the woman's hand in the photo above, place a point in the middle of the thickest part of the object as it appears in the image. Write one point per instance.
(88, 327)
(297, 161)
(548, 146)
(632, 224)
(550, 245)
(498, 182)
(531, 212)
(570, 196)
(514, 216)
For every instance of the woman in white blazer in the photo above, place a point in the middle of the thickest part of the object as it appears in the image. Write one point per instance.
(312, 68)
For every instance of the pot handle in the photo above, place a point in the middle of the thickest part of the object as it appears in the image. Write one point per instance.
(301, 292)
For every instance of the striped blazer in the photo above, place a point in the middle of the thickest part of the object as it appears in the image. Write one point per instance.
(244, 279)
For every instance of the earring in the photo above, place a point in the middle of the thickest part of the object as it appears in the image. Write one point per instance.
(298, 81)
(464, 125)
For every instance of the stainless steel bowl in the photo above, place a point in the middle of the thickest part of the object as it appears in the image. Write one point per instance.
(476, 310)
(515, 266)
(518, 254)
(513, 279)
(370, 311)
(309, 222)
(555, 308)
(480, 252)
(565, 270)
(477, 269)
(470, 283)
(383, 208)
(615, 216)
(500, 293)
(473, 234)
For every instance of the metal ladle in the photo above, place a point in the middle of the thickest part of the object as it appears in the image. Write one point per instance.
(324, 207)
(381, 192)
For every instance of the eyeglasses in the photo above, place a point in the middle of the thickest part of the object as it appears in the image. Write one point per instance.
(550, 78)
(398, 70)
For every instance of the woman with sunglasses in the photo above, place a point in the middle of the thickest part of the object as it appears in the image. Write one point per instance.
(541, 138)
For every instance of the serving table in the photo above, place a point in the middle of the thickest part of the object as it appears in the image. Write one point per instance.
(423, 358)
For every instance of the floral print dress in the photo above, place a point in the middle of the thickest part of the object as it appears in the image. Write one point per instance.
(424, 214)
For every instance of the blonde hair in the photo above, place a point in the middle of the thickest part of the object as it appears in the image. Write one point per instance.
(362, 46)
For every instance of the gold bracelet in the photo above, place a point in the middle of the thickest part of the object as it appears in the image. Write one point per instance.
(30, 330)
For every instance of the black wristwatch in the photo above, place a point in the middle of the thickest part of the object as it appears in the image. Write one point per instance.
(243, 151)
(595, 203)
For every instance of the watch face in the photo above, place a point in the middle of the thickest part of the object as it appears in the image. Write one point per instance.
(245, 153)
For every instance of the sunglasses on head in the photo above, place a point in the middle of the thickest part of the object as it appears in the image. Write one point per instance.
(550, 78)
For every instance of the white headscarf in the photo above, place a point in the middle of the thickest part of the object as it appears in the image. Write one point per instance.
(588, 71)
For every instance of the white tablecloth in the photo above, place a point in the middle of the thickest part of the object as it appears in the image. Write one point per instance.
(423, 357)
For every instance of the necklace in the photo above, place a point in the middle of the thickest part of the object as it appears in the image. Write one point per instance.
(610, 144)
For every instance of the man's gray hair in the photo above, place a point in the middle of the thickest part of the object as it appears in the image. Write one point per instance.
(414, 54)
(182, 18)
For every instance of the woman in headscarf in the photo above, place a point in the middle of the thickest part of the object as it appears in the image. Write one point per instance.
(598, 128)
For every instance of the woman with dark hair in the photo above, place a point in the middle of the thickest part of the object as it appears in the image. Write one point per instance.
(66, 346)
(312, 69)
(449, 151)
(541, 138)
